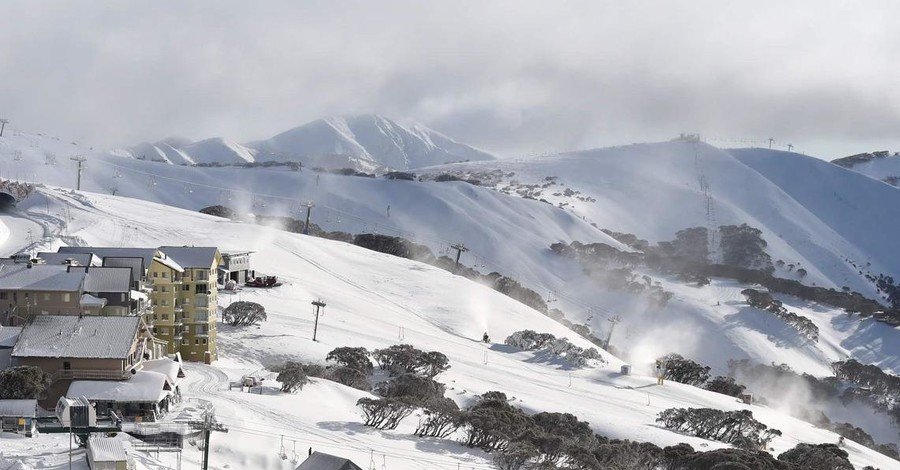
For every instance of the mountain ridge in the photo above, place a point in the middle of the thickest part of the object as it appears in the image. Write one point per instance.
(364, 142)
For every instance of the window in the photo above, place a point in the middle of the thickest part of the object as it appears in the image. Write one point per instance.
(165, 274)
(164, 289)
(196, 341)
(202, 275)
(164, 331)
(185, 342)
(202, 301)
(186, 287)
(200, 330)
(165, 316)
(164, 303)
(3, 295)
(66, 297)
(203, 341)
(155, 274)
(202, 289)
(46, 296)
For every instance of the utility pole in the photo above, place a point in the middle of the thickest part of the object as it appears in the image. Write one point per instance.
(309, 206)
(208, 425)
(318, 304)
(771, 140)
(3, 123)
(460, 248)
(613, 321)
(80, 160)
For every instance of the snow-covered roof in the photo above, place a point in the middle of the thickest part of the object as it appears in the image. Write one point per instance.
(171, 369)
(9, 335)
(77, 337)
(191, 256)
(144, 386)
(321, 461)
(88, 300)
(40, 277)
(138, 295)
(18, 408)
(106, 449)
(167, 261)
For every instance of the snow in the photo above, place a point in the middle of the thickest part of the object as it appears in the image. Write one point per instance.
(374, 300)
(143, 386)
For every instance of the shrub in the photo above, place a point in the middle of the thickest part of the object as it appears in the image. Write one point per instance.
(348, 376)
(684, 370)
(529, 340)
(354, 358)
(820, 457)
(725, 386)
(413, 388)
(732, 427)
(385, 413)
(242, 313)
(492, 423)
(405, 359)
(292, 377)
(441, 417)
(23, 383)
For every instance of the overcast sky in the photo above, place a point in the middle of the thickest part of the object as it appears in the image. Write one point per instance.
(516, 77)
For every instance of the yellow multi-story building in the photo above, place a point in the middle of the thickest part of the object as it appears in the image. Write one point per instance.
(196, 299)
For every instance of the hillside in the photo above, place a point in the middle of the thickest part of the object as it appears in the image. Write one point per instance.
(648, 190)
(374, 300)
(881, 165)
(363, 142)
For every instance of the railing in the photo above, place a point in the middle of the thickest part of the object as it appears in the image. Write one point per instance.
(87, 374)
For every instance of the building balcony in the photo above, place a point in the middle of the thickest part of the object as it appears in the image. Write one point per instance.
(87, 374)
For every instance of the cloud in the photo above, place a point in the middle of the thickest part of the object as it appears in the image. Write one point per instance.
(510, 76)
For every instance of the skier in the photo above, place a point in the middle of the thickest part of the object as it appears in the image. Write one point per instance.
(485, 338)
(660, 372)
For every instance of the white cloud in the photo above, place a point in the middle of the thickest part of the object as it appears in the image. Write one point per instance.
(511, 76)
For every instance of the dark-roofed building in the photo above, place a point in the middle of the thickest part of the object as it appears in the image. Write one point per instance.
(197, 299)
(72, 347)
(322, 461)
(73, 259)
(66, 289)
(8, 337)
(30, 289)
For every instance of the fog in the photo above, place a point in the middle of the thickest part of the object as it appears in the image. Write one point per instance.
(513, 77)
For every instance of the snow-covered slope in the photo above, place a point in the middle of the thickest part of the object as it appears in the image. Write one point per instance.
(650, 190)
(374, 300)
(363, 142)
(812, 214)
(370, 140)
(882, 165)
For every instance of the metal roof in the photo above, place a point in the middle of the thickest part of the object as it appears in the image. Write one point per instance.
(136, 264)
(113, 252)
(321, 461)
(106, 449)
(18, 408)
(83, 259)
(74, 336)
(40, 277)
(191, 256)
(106, 279)
(8, 336)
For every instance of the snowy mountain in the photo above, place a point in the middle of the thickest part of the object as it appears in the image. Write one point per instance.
(364, 142)
(374, 300)
(828, 220)
(881, 165)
